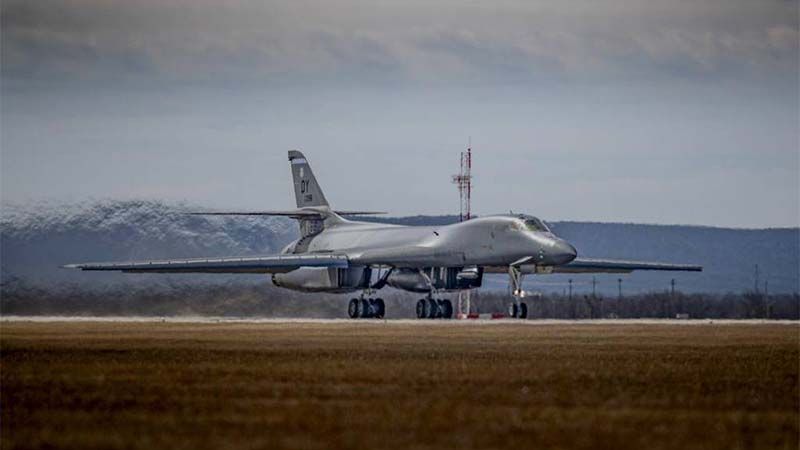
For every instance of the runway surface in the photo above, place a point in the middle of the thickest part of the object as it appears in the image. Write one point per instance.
(282, 383)
(482, 321)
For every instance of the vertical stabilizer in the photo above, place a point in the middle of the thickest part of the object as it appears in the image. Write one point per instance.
(307, 191)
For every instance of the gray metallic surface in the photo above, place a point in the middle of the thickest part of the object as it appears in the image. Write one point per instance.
(335, 254)
(495, 240)
(257, 264)
(323, 279)
(306, 189)
(591, 265)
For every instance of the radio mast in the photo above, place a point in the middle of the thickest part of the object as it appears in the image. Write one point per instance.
(463, 182)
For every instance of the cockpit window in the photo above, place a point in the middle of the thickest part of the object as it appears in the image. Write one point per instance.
(534, 224)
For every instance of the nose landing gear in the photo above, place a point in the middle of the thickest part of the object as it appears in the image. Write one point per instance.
(518, 309)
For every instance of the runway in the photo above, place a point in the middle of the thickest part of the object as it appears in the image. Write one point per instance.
(199, 383)
(480, 321)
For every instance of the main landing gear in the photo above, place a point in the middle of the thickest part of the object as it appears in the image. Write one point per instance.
(429, 308)
(366, 308)
(518, 309)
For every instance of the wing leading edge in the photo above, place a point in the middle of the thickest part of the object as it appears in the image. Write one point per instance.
(254, 264)
(592, 265)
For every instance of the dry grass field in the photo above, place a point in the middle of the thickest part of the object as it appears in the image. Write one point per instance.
(391, 385)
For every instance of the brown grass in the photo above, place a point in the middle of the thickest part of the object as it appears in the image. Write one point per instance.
(168, 385)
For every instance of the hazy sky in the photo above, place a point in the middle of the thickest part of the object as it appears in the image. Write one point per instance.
(638, 111)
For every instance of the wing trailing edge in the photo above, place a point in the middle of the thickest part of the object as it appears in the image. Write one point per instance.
(246, 264)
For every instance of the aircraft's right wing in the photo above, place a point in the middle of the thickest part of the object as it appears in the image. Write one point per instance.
(254, 264)
(591, 265)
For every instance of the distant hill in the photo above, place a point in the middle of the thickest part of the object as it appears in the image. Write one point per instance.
(36, 239)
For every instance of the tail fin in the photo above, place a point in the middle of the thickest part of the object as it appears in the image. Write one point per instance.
(306, 189)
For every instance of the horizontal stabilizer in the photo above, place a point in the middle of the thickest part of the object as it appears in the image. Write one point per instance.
(298, 213)
(359, 213)
(301, 213)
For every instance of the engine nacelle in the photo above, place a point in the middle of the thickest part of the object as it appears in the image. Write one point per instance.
(324, 279)
(408, 280)
(445, 278)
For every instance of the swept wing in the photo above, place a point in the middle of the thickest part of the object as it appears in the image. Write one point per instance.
(592, 265)
(248, 264)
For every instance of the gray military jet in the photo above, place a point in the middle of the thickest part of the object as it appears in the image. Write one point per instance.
(337, 255)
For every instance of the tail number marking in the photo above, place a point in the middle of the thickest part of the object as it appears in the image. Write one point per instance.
(305, 186)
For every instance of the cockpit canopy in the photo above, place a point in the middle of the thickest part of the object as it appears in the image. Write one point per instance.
(534, 224)
(531, 223)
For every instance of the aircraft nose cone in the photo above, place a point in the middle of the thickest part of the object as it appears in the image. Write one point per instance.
(564, 252)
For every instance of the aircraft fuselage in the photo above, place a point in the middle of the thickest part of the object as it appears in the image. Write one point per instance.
(486, 241)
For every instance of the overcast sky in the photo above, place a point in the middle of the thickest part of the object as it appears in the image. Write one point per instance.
(637, 111)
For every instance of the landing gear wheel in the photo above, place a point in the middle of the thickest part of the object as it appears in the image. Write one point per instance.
(378, 308)
(513, 310)
(353, 308)
(439, 309)
(422, 308)
(447, 309)
(433, 309)
(366, 309)
(523, 310)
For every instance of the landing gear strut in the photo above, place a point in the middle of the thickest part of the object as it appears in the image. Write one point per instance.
(429, 308)
(366, 308)
(518, 309)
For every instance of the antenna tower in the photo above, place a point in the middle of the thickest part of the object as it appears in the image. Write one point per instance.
(463, 182)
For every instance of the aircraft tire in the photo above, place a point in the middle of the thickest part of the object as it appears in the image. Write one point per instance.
(433, 309)
(523, 310)
(422, 308)
(354, 308)
(366, 309)
(379, 307)
(447, 309)
(513, 310)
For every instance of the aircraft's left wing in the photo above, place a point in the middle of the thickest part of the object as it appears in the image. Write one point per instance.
(252, 264)
(591, 265)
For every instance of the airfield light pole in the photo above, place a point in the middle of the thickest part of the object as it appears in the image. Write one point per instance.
(463, 181)
(755, 284)
(672, 297)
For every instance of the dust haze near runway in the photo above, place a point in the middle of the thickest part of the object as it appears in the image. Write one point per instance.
(323, 384)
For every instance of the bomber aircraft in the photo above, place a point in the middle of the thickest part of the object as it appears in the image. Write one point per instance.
(334, 254)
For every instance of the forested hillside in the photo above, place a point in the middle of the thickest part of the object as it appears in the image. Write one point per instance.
(36, 239)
